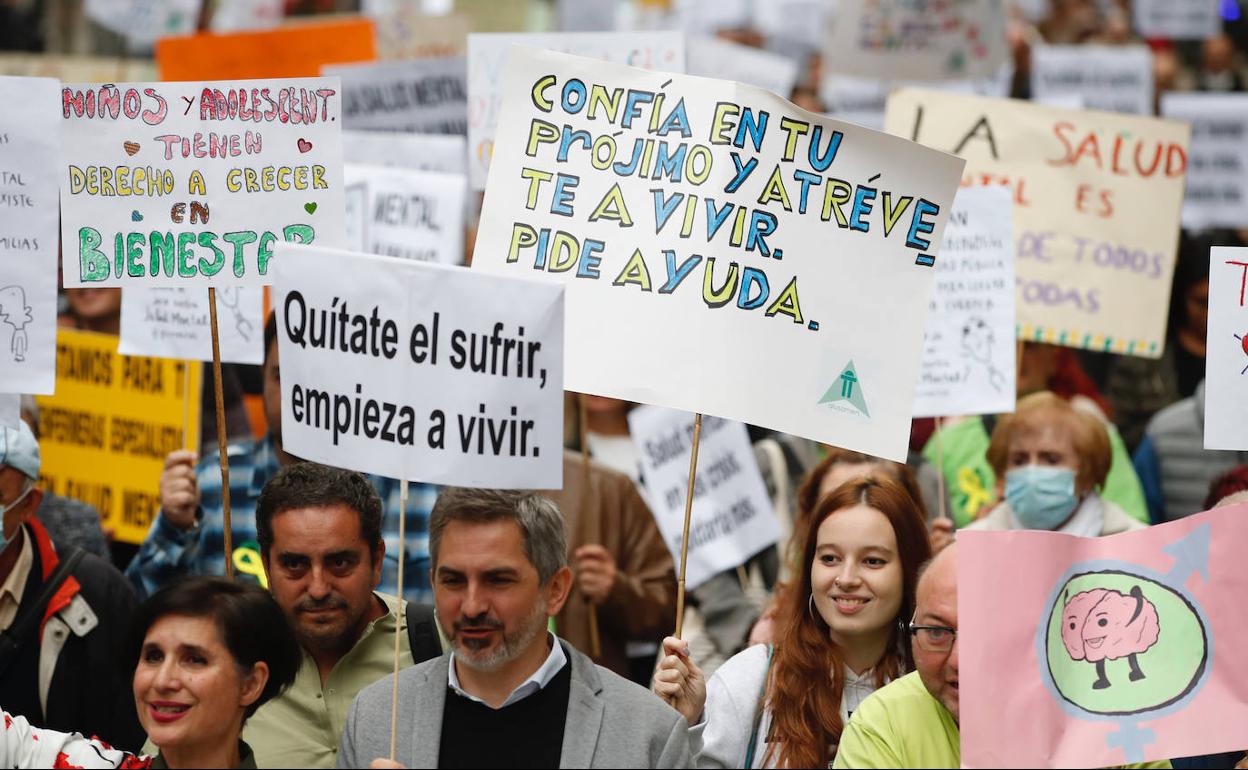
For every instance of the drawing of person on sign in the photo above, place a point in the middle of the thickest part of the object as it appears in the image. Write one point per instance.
(978, 342)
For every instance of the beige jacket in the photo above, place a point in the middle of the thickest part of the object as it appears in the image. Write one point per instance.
(609, 511)
(1116, 520)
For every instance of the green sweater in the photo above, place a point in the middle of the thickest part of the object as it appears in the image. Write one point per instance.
(970, 483)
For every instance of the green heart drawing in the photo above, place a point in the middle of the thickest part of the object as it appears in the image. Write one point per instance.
(310, 208)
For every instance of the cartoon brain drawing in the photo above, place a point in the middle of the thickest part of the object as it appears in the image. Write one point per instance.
(1102, 624)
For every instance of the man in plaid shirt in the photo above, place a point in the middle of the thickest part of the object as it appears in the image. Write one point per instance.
(187, 537)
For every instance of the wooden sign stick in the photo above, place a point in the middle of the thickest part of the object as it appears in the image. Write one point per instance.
(398, 635)
(595, 640)
(940, 473)
(684, 537)
(186, 406)
(221, 442)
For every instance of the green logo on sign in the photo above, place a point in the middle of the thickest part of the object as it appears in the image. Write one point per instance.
(847, 388)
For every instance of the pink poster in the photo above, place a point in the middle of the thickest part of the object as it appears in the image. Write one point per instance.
(1093, 652)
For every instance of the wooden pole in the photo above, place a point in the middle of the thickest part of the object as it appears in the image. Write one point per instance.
(186, 405)
(595, 638)
(221, 441)
(940, 473)
(1018, 362)
(684, 538)
(394, 693)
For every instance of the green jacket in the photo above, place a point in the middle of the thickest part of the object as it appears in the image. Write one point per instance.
(970, 484)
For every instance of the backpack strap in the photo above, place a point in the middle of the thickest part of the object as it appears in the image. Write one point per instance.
(422, 632)
(11, 639)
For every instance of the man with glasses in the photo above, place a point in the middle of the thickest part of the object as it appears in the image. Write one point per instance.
(913, 721)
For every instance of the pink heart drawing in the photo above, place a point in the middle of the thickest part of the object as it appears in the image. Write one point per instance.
(304, 145)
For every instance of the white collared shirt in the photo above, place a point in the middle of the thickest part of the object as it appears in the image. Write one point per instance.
(555, 661)
(15, 584)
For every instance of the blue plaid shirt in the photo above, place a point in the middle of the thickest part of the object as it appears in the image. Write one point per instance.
(168, 552)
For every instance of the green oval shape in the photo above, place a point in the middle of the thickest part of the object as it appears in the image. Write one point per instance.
(1161, 674)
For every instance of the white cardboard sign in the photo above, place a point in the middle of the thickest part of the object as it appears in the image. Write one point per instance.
(423, 152)
(1226, 357)
(732, 517)
(487, 56)
(715, 58)
(968, 346)
(428, 96)
(917, 39)
(1110, 78)
(396, 212)
(1177, 19)
(173, 184)
(702, 274)
(1217, 164)
(29, 149)
(419, 371)
(175, 323)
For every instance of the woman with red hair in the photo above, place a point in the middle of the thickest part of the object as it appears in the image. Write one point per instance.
(842, 635)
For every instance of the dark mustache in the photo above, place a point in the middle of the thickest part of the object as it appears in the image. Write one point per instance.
(480, 621)
(330, 602)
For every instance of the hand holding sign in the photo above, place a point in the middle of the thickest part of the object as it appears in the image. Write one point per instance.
(179, 489)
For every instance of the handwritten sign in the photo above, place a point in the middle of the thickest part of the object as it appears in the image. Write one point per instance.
(143, 22)
(712, 57)
(863, 100)
(487, 55)
(1217, 169)
(703, 243)
(175, 323)
(1103, 651)
(29, 207)
(296, 51)
(239, 15)
(419, 371)
(422, 152)
(403, 32)
(1226, 360)
(968, 346)
(168, 184)
(105, 434)
(1184, 20)
(408, 214)
(1096, 217)
(732, 517)
(427, 96)
(1112, 78)
(917, 39)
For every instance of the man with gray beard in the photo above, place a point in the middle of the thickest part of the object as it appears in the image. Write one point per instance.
(509, 693)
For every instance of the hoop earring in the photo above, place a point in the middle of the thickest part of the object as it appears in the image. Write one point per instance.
(810, 607)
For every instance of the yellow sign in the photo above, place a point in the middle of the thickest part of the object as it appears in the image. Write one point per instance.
(105, 434)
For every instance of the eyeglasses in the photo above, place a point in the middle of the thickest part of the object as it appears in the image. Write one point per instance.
(934, 638)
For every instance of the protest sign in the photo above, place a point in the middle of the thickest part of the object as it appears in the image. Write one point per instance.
(29, 207)
(917, 39)
(170, 184)
(240, 15)
(1226, 352)
(105, 434)
(174, 323)
(10, 409)
(1113, 78)
(710, 232)
(1099, 652)
(1182, 20)
(586, 15)
(968, 362)
(1217, 190)
(143, 22)
(487, 55)
(422, 152)
(405, 32)
(295, 51)
(793, 27)
(1096, 217)
(715, 58)
(423, 95)
(863, 100)
(732, 517)
(420, 372)
(395, 212)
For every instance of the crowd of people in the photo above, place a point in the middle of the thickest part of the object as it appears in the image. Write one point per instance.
(532, 628)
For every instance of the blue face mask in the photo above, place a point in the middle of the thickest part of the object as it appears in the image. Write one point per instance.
(1042, 497)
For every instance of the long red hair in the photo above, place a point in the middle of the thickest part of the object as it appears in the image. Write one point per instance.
(807, 675)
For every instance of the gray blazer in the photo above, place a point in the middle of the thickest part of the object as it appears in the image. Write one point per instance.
(611, 721)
